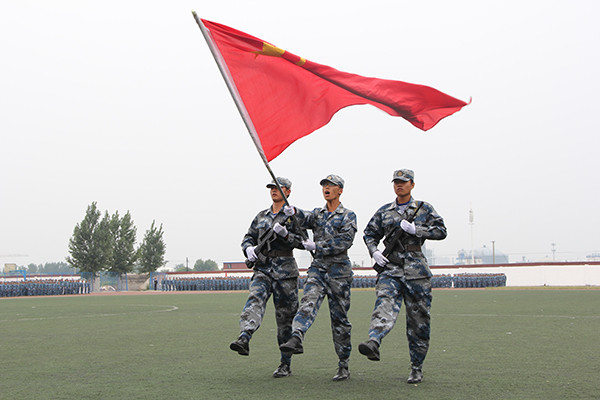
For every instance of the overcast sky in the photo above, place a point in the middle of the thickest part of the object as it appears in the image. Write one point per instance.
(121, 103)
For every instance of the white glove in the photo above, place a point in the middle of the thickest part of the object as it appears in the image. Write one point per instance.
(408, 227)
(309, 245)
(289, 211)
(251, 254)
(379, 258)
(280, 229)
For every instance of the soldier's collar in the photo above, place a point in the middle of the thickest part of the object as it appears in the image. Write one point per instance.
(339, 209)
(411, 204)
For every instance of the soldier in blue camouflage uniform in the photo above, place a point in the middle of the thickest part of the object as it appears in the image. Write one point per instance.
(277, 276)
(404, 274)
(330, 273)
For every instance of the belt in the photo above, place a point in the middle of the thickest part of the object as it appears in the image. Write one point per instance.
(280, 253)
(413, 247)
(393, 256)
(342, 254)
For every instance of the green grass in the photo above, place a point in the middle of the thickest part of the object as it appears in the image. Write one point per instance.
(486, 344)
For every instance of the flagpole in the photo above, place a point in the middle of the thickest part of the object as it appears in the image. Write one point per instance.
(239, 104)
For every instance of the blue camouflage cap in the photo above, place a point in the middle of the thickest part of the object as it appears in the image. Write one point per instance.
(336, 180)
(282, 182)
(404, 175)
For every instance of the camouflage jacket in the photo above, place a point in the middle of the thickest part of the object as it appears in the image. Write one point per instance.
(333, 234)
(277, 267)
(429, 224)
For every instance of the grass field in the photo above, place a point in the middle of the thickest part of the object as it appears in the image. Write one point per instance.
(486, 344)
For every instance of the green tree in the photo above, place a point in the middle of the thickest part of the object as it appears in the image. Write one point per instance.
(90, 245)
(32, 269)
(123, 234)
(208, 265)
(57, 268)
(51, 268)
(180, 268)
(106, 238)
(152, 250)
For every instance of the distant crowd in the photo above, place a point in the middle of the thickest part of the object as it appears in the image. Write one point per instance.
(478, 280)
(43, 287)
(49, 287)
(242, 283)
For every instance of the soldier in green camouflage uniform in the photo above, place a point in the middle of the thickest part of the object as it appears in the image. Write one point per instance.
(330, 273)
(403, 274)
(277, 276)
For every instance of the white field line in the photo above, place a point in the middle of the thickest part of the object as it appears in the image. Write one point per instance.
(167, 309)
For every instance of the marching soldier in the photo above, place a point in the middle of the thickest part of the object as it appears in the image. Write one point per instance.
(268, 247)
(330, 273)
(403, 271)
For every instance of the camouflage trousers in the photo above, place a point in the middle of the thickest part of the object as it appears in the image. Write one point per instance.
(337, 291)
(285, 300)
(417, 299)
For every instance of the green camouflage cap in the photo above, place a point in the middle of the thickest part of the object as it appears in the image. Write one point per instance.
(336, 180)
(404, 175)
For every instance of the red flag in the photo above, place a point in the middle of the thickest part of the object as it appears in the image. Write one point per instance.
(288, 97)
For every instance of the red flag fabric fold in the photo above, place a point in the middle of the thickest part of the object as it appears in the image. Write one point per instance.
(288, 97)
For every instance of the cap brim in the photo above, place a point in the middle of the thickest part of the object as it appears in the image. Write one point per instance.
(328, 181)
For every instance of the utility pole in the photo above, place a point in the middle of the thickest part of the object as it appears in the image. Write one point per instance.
(472, 222)
(493, 252)
(553, 251)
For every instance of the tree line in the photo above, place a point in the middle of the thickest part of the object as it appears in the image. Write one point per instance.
(199, 265)
(50, 268)
(108, 244)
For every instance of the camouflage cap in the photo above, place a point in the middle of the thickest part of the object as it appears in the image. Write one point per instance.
(282, 182)
(404, 175)
(336, 180)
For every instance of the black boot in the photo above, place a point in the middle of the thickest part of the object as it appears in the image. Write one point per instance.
(342, 374)
(283, 370)
(294, 346)
(241, 345)
(416, 375)
(370, 349)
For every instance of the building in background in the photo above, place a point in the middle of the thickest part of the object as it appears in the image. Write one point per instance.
(235, 265)
(483, 255)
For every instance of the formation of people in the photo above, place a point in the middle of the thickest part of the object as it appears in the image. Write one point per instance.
(51, 287)
(43, 287)
(478, 280)
(403, 274)
(464, 280)
(218, 283)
